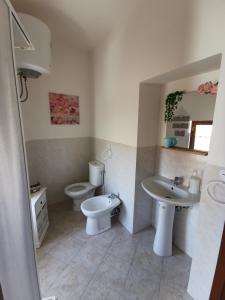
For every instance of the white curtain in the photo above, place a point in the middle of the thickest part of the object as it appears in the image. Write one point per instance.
(18, 273)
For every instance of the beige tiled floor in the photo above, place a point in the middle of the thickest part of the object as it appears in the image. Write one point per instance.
(114, 265)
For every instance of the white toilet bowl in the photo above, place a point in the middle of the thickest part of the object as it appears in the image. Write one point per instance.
(79, 192)
(98, 212)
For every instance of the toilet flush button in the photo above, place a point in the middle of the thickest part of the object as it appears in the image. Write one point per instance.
(222, 175)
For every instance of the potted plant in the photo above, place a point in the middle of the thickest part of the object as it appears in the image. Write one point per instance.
(172, 101)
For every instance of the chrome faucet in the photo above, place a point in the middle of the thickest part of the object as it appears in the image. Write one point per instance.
(113, 196)
(177, 180)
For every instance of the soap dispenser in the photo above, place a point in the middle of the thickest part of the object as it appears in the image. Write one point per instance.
(194, 183)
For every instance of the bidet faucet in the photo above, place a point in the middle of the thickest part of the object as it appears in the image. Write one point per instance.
(177, 180)
(113, 196)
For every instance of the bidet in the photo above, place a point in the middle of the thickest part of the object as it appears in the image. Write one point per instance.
(98, 212)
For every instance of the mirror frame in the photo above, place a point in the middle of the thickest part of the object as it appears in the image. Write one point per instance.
(191, 151)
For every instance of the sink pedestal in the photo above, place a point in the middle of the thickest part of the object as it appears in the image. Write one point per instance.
(164, 233)
(167, 196)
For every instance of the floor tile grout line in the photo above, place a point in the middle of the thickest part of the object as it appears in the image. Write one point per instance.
(97, 268)
(115, 258)
(131, 264)
(55, 280)
(66, 265)
(161, 272)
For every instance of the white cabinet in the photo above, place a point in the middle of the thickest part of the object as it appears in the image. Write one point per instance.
(40, 220)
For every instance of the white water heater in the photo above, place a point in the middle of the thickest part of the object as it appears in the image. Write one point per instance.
(33, 63)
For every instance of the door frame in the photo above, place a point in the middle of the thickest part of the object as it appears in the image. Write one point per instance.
(218, 287)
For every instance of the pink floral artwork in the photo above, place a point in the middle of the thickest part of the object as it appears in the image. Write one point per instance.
(208, 88)
(64, 109)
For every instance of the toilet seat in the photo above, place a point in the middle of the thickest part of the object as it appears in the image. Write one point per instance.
(79, 189)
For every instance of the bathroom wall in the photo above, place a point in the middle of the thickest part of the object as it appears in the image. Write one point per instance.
(140, 50)
(211, 215)
(70, 74)
(58, 162)
(171, 163)
(119, 175)
(208, 239)
(59, 154)
(149, 107)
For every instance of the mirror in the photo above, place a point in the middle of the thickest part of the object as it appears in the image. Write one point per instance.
(192, 121)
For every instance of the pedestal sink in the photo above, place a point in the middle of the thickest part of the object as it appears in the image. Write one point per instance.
(168, 197)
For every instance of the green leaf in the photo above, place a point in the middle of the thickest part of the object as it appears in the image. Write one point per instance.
(171, 103)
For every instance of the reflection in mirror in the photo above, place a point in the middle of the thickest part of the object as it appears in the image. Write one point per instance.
(192, 121)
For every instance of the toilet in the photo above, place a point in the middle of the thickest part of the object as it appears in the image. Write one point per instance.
(81, 191)
(98, 212)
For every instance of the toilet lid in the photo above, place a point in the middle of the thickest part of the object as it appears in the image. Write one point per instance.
(79, 188)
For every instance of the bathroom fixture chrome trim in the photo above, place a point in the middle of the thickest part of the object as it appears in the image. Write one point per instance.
(181, 208)
(177, 180)
(116, 211)
(113, 196)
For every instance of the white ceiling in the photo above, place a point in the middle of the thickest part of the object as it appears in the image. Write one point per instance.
(83, 22)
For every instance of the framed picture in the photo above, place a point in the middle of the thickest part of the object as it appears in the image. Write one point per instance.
(64, 109)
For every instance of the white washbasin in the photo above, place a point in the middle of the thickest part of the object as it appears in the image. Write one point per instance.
(168, 196)
(162, 189)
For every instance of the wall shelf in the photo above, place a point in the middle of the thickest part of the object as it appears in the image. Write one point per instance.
(196, 152)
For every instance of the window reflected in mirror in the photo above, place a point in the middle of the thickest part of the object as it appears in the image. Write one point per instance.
(191, 125)
(200, 135)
